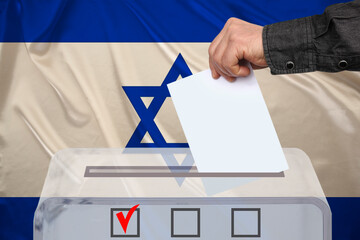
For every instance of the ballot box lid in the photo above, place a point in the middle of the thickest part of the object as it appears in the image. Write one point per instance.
(169, 172)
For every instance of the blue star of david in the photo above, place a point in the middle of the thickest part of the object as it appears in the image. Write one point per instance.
(147, 115)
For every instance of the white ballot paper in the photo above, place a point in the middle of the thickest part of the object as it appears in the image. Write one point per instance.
(227, 124)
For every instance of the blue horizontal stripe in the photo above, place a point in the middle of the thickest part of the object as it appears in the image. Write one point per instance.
(16, 218)
(139, 21)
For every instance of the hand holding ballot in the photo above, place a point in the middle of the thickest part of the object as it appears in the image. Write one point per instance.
(237, 43)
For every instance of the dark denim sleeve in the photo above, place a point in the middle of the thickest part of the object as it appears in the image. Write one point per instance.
(329, 42)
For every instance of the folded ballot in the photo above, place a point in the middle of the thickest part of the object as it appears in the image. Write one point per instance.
(227, 124)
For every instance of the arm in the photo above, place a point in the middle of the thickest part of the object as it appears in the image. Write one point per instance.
(328, 42)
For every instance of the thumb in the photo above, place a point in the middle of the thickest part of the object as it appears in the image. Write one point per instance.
(240, 70)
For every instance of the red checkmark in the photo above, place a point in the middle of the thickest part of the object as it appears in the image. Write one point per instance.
(125, 221)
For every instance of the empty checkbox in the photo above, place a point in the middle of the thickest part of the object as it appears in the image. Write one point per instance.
(245, 222)
(185, 222)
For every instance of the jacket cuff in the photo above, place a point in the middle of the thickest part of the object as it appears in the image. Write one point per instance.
(288, 46)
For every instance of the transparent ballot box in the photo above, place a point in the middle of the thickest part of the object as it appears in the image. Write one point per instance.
(159, 194)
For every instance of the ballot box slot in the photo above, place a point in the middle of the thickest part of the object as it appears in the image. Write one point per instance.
(165, 171)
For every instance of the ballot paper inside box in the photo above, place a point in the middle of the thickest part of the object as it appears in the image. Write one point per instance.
(85, 188)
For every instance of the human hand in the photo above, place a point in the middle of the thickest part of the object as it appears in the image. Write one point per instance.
(237, 43)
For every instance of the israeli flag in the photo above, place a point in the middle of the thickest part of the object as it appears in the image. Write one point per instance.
(93, 74)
